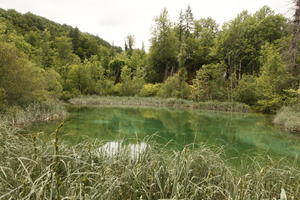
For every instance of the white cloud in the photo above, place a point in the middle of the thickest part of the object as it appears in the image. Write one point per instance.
(113, 20)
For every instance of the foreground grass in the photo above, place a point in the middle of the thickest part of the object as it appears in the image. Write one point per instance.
(288, 117)
(160, 102)
(33, 169)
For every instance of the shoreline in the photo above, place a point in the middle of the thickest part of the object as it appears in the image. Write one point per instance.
(161, 103)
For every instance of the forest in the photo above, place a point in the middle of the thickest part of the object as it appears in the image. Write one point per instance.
(250, 59)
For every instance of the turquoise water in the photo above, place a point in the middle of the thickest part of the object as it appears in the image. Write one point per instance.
(240, 135)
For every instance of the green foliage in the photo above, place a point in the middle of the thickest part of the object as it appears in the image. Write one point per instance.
(208, 84)
(104, 87)
(163, 51)
(245, 92)
(150, 90)
(52, 81)
(69, 94)
(293, 96)
(242, 61)
(78, 78)
(131, 82)
(3, 102)
(21, 80)
(273, 80)
(241, 40)
(175, 86)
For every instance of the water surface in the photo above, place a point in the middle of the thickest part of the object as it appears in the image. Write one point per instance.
(241, 135)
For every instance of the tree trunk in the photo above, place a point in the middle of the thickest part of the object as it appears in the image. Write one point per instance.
(166, 73)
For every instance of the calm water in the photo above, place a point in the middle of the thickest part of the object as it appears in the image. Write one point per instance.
(241, 135)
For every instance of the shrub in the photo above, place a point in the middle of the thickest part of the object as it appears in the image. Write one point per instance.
(104, 87)
(150, 90)
(245, 92)
(66, 95)
(175, 86)
(209, 83)
(3, 103)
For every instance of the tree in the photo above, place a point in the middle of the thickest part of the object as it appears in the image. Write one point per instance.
(209, 83)
(188, 25)
(293, 67)
(241, 40)
(78, 78)
(175, 86)
(163, 51)
(129, 44)
(75, 38)
(20, 80)
(273, 81)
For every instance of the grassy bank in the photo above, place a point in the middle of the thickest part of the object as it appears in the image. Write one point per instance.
(17, 118)
(288, 117)
(32, 169)
(160, 102)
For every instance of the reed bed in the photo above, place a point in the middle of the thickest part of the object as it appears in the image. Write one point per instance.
(288, 117)
(36, 112)
(159, 102)
(34, 169)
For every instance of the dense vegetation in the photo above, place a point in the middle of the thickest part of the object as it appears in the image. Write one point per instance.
(32, 169)
(246, 60)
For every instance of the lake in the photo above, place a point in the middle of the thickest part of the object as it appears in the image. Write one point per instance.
(240, 135)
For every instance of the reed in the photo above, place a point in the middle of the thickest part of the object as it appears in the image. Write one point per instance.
(288, 117)
(45, 170)
(159, 102)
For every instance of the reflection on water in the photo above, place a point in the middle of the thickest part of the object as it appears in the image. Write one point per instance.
(240, 135)
(114, 148)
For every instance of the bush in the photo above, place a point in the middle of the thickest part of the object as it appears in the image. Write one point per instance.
(22, 81)
(150, 90)
(209, 83)
(3, 103)
(66, 95)
(104, 87)
(175, 87)
(288, 117)
(245, 92)
(131, 82)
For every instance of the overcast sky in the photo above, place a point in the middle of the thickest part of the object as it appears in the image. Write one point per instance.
(113, 20)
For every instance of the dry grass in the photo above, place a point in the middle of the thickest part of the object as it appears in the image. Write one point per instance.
(288, 117)
(36, 112)
(160, 102)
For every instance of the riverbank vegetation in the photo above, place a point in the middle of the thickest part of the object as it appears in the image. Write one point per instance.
(288, 118)
(34, 169)
(247, 60)
(159, 102)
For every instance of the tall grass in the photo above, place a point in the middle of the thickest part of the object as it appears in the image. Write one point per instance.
(160, 102)
(224, 106)
(33, 169)
(36, 112)
(288, 117)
